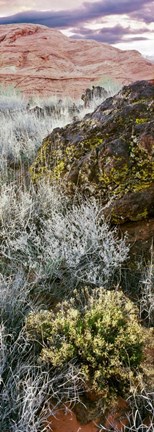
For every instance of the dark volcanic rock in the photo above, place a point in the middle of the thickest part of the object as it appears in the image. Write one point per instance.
(109, 154)
(96, 93)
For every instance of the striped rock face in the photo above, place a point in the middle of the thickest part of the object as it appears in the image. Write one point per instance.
(40, 60)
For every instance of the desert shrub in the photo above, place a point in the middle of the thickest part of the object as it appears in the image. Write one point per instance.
(146, 300)
(47, 246)
(102, 335)
(25, 387)
(141, 416)
(63, 245)
(21, 135)
(22, 130)
(111, 85)
(11, 99)
(14, 301)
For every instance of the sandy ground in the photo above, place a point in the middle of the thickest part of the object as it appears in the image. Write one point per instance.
(65, 421)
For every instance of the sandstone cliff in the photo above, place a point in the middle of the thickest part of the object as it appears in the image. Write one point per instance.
(38, 59)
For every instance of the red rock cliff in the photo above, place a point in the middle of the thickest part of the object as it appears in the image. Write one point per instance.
(38, 59)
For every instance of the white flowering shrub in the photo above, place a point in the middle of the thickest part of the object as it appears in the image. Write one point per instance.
(146, 301)
(141, 415)
(25, 387)
(111, 85)
(68, 245)
(22, 129)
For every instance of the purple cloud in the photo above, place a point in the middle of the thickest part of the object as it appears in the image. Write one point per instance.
(88, 12)
(60, 19)
(76, 18)
(111, 35)
(111, 7)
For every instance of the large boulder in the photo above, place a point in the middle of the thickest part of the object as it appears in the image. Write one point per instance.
(109, 154)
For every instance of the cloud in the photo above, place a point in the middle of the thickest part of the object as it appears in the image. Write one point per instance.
(86, 12)
(78, 19)
(145, 14)
(111, 35)
(14, 6)
(53, 19)
(110, 7)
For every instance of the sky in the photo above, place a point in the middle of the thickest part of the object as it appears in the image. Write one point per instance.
(125, 24)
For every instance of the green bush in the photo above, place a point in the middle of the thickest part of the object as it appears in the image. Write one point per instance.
(102, 336)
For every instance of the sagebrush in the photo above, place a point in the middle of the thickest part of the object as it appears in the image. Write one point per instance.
(103, 337)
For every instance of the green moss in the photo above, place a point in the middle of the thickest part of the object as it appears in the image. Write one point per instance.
(70, 151)
(36, 175)
(100, 170)
(142, 215)
(116, 179)
(92, 142)
(118, 218)
(118, 176)
(141, 186)
(59, 168)
(140, 120)
(142, 167)
(61, 159)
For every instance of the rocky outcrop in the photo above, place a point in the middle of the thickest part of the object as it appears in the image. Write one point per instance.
(38, 59)
(109, 155)
(96, 93)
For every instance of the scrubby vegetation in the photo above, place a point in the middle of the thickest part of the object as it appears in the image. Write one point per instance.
(102, 336)
(51, 248)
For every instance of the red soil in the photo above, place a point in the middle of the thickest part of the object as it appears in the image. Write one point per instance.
(65, 421)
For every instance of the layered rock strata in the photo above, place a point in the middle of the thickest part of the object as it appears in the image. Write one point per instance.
(39, 60)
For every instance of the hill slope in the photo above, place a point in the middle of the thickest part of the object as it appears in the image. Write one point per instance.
(38, 59)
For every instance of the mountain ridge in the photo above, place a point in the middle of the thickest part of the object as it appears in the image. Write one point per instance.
(40, 60)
